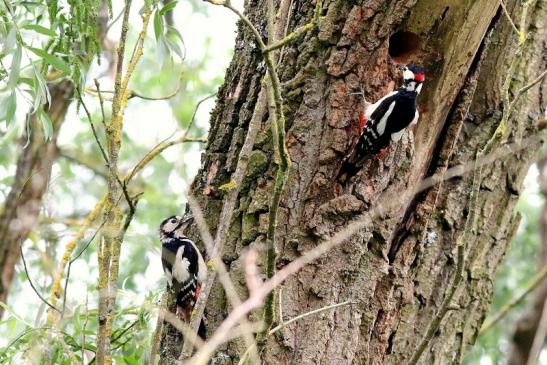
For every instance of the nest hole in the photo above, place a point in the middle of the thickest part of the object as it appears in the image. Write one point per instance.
(403, 45)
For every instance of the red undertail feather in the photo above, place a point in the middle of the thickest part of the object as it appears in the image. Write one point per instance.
(383, 152)
(362, 122)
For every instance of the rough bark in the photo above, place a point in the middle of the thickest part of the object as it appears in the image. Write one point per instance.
(397, 268)
(528, 328)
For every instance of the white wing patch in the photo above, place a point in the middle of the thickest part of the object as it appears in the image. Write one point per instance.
(416, 116)
(202, 268)
(180, 267)
(371, 108)
(397, 136)
(382, 124)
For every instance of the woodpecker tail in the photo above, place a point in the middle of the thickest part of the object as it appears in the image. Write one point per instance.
(202, 330)
(347, 171)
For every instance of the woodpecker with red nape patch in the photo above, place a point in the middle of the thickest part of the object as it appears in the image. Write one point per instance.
(385, 121)
(183, 266)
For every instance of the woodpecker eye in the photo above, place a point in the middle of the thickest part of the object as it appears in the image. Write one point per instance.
(173, 221)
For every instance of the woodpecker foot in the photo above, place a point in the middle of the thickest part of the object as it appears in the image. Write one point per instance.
(383, 152)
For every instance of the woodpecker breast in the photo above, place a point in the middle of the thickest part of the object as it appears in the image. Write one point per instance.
(184, 269)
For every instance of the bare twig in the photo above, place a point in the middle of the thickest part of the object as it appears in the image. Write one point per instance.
(32, 284)
(94, 131)
(445, 306)
(134, 94)
(101, 102)
(294, 319)
(84, 326)
(69, 248)
(538, 278)
(508, 16)
(156, 337)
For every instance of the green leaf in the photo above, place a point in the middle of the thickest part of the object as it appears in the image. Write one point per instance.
(175, 41)
(15, 68)
(40, 29)
(158, 25)
(168, 7)
(162, 52)
(8, 105)
(41, 83)
(47, 124)
(54, 61)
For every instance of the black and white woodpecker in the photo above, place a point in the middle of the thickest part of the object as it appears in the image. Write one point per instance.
(183, 266)
(386, 120)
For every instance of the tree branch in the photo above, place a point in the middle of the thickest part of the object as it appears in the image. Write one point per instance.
(32, 284)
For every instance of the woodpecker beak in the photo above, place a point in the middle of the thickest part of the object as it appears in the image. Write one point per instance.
(400, 67)
(187, 220)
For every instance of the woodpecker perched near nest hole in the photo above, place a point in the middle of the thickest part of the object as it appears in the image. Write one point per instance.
(385, 121)
(183, 266)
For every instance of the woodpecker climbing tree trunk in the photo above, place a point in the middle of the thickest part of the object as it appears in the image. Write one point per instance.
(400, 266)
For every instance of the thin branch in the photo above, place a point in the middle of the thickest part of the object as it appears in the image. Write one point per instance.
(69, 248)
(73, 260)
(530, 85)
(508, 16)
(95, 135)
(101, 102)
(70, 156)
(307, 314)
(32, 284)
(516, 300)
(134, 94)
(445, 306)
(105, 157)
(299, 317)
(196, 108)
(156, 336)
(85, 325)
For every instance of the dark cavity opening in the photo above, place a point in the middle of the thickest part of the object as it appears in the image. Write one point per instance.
(403, 45)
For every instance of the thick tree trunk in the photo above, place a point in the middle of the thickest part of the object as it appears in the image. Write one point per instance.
(398, 267)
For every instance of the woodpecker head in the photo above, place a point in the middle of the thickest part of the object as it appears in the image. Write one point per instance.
(414, 76)
(173, 227)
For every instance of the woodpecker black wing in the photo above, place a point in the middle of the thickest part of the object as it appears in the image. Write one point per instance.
(180, 260)
(372, 140)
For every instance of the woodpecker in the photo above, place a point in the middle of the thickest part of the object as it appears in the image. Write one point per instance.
(385, 121)
(183, 266)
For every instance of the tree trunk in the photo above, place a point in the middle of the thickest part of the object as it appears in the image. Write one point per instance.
(399, 266)
(24, 201)
(531, 326)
